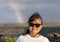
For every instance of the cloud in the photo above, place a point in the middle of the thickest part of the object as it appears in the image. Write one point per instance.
(49, 9)
(23, 5)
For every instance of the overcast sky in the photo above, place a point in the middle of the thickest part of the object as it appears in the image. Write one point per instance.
(48, 9)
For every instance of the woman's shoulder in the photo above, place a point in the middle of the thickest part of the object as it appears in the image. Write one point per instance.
(44, 38)
(22, 36)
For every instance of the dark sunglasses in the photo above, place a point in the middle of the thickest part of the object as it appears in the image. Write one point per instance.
(36, 25)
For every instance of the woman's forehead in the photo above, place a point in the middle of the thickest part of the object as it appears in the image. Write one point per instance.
(36, 21)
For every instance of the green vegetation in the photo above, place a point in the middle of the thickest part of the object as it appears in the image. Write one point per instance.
(7, 39)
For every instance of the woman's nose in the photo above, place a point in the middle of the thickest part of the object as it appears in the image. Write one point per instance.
(34, 27)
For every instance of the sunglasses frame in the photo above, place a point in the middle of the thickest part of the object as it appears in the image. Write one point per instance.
(36, 25)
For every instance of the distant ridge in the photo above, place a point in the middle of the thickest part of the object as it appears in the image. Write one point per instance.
(51, 24)
(13, 24)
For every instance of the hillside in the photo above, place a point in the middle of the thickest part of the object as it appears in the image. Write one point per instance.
(9, 29)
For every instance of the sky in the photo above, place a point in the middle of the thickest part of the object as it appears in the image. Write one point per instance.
(48, 9)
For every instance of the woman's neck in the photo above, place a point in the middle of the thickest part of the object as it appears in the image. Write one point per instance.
(36, 35)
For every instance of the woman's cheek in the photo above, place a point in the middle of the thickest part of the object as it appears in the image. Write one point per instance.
(30, 28)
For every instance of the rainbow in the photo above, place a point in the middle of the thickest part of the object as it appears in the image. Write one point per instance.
(20, 18)
(16, 7)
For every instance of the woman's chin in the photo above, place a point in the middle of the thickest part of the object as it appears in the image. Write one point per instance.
(33, 33)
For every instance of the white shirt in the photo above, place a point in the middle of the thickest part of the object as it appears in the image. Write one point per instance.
(28, 38)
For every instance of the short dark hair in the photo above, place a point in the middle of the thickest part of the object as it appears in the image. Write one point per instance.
(36, 15)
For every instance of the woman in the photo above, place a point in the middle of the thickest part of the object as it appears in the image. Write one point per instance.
(32, 35)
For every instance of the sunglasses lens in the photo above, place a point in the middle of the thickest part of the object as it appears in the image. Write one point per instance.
(37, 25)
(31, 24)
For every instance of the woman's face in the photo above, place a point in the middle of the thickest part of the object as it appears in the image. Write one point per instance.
(35, 26)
